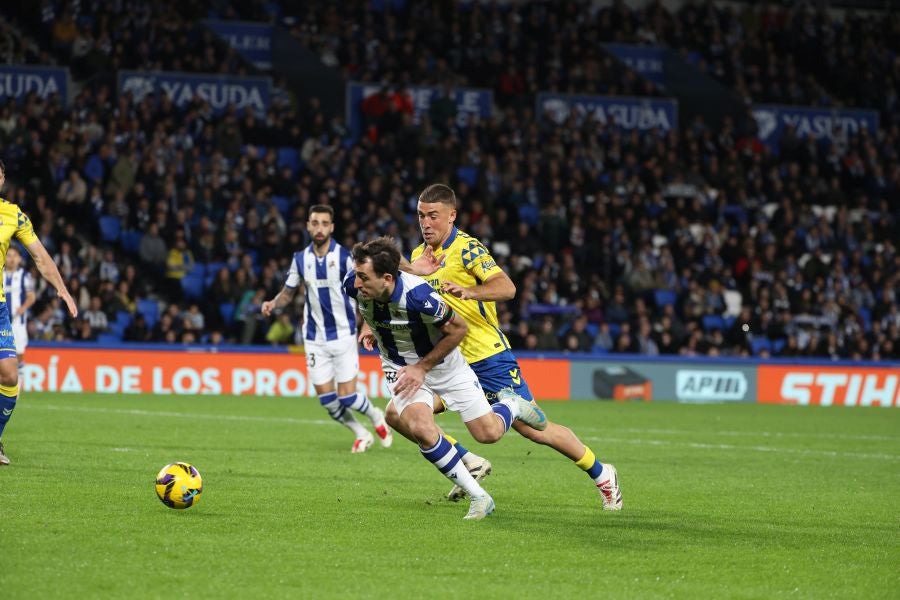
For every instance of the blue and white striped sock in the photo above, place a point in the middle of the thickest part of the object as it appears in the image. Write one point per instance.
(339, 413)
(360, 403)
(445, 457)
(507, 411)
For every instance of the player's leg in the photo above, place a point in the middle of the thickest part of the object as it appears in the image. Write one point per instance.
(9, 377)
(478, 466)
(321, 372)
(502, 371)
(460, 391)
(345, 358)
(20, 336)
(563, 440)
(418, 418)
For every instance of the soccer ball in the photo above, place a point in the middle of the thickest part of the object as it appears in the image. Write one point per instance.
(179, 485)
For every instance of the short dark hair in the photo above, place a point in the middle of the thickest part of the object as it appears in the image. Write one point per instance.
(382, 252)
(321, 208)
(438, 192)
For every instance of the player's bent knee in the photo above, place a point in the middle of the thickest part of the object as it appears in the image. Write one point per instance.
(422, 427)
(392, 417)
(488, 437)
(9, 373)
(486, 430)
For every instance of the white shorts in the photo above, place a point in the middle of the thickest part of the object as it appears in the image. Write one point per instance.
(20, 335)
(333, 360)
(454, 381)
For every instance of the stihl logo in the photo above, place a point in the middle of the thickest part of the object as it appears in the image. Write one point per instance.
(841, 388)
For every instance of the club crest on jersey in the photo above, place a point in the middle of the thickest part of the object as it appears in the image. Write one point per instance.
(473, 251)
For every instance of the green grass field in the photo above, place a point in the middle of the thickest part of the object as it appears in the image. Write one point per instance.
(720, 501)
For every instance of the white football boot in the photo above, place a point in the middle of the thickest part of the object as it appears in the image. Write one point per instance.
(479, 470)
(529, 412)
(361, 444)
(609, 488)
(480, 507)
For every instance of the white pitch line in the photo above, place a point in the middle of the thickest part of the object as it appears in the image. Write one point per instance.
(774, 434)
(634, 441)
(769, 449)
(180, 415)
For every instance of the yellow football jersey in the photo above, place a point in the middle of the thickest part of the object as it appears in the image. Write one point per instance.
(13, 224)
(468, 263)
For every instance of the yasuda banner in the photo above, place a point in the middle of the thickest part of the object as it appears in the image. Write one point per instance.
(646, 61)
(253, 41)
(253, 93)
(619, 111)
(771, 121)
(469, 102)
(19, 81)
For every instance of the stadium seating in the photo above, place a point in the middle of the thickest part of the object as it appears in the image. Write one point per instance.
(110, 228)
(150, 310)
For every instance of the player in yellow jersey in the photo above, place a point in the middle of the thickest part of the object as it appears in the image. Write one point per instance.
(15, 224)
(470, 281)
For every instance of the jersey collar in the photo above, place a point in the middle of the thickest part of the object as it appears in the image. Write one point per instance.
(451, 238)
(398, 290)
(312, 247)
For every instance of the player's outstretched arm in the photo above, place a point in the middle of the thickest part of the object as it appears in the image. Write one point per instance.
(281, 299)
(496, 288)
(50, 272)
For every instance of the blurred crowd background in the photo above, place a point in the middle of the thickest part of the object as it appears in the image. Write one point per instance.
(174, 224)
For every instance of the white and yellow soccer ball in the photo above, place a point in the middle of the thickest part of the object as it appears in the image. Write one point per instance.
(179, 485)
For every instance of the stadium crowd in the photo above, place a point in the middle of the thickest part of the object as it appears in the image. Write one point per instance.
(766, 52)
(173, 225)
(783, 54)
(96, 39)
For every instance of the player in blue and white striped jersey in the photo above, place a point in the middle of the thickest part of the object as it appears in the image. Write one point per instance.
(19, 287)
(330, 329)
(418, 336)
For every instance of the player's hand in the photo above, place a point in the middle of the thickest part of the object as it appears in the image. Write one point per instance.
(464, 293)
(426, 264)
(366, 337)
(20, 311)
(70, 303)
(409, 380)
(267, 307)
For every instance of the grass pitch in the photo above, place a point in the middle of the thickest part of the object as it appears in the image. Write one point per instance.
(739, 501)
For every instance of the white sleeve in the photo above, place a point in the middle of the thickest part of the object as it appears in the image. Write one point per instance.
(28, 282)
(294, 277)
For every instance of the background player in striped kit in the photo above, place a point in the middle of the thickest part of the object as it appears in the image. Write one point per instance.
(330, 329)
(16, 224)
(418, 335)
(19, 287)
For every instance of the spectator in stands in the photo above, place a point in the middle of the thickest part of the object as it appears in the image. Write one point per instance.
(281, 331)
(95, 316)
(137, 330)
(179, 262)
(153, 248)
